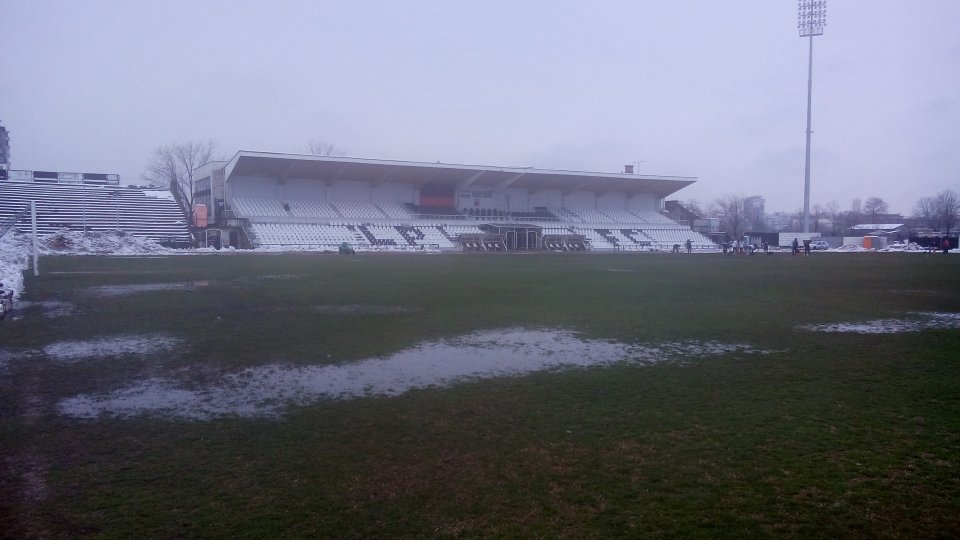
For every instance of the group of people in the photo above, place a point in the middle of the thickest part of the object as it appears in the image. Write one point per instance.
(796, 247)
(744, 248)
(688, 244)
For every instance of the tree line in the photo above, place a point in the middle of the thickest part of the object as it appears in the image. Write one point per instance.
(940, 212)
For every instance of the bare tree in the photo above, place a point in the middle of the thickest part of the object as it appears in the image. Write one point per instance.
(856, 206)
(854, 215)
(693, 206)
(948, 202)
(732, 213)
(320, 147)
(833, 211)
(941, 212)
(926, 209)
(874, 207)
(172, 165)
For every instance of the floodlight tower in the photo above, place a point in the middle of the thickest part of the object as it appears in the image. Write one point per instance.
(811, 18)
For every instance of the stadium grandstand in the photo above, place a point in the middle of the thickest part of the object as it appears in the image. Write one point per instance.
(89, 202)
(259, 199)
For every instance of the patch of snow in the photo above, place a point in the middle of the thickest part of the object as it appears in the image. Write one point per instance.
(915, 323)
(14, 260)
(67, 242)
(267, 391)
(159, 194)
(849, 248)
(16, 249)
(73, 351)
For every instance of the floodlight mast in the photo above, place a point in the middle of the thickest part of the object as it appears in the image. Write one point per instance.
(811, 18)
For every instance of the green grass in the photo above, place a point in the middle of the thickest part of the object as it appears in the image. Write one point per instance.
(840, 435)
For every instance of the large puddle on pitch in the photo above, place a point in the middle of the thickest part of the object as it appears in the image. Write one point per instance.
(75, 351)
(268, 391)
(913, 322)
(124, 290)
(363, 309)
(50, 309)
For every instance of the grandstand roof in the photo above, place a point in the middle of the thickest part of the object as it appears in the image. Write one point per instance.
(328, 168)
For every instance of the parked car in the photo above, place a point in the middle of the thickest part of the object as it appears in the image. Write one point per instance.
(819, 245)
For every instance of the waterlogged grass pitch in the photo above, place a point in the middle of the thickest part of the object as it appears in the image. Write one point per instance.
(520, 396)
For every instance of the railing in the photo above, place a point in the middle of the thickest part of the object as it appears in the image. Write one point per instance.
(9, 222)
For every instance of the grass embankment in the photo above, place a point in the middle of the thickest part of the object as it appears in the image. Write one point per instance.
(852, 435)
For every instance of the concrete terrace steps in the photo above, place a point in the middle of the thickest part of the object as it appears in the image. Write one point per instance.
(95, 208)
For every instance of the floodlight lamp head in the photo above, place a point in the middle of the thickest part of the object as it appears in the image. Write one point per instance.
(811, 17)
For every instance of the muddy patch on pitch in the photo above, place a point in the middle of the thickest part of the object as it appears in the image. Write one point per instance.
(268, 391)
(362, 309)
(76, 351)
(31, 469)
(125, 290)
(912, 322)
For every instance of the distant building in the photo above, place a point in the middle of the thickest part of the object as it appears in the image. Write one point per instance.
(898, 230)
(208, 188)
(4, 152)
(754, 204)
(753, 209)
(779, 221)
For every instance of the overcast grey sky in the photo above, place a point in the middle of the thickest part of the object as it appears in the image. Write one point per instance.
(705, 88)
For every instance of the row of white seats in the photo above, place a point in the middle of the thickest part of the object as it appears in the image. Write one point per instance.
(592, 216)
(589, 215)
(254, 207)
(596, 240)
(621, 238)
(307, 233)
(651, 217)
(387, 232)
(677, 236)
(257, 207)
(308, 208)
(314, 234)
(454, 230)
(394, 210)
(432, 235)
(361, 210)
(304, 234)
